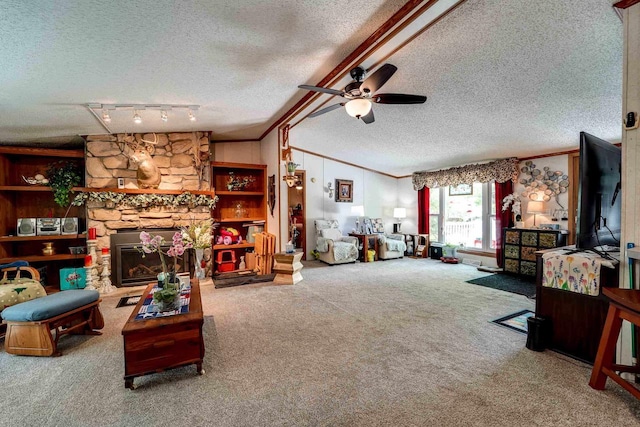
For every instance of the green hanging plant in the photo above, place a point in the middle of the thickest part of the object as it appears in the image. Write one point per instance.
(63, 176)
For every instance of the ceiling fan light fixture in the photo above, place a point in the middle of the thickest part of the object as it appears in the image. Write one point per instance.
(358, 107)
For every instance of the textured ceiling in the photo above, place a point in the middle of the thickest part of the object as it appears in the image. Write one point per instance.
(503, 77)
(240, 60)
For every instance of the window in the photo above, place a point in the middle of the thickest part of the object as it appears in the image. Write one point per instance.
(467, 220)
(434, 215)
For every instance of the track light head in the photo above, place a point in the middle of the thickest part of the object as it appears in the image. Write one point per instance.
(163, 115)
(136, 117)
(192, 116)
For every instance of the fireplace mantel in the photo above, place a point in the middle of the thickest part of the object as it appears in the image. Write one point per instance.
(143, 191)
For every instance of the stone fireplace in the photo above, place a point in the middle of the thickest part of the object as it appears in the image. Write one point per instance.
(183, 161)
(130, 268)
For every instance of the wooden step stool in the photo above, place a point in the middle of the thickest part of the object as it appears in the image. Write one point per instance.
(624, 304)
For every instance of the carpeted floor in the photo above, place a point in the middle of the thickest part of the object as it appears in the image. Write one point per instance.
(508, 283)
(395, 343)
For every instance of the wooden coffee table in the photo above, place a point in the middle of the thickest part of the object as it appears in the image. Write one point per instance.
(157, 344)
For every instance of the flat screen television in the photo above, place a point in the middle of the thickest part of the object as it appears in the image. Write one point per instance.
(599, 195)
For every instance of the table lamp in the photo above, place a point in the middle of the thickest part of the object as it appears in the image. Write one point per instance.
(398, 214)
(535, 207)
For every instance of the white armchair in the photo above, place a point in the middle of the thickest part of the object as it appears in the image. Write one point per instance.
(332, 246)
(391, 246)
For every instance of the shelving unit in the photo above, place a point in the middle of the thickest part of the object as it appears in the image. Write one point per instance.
(237, 207)
(519, 248)
(19, 200)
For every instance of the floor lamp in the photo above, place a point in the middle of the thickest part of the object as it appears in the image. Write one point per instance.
(535, 207)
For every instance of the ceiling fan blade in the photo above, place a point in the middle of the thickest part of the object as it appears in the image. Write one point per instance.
(378, 78)
(326, 110)
(398, 98)
(369, 117)
(322, 89)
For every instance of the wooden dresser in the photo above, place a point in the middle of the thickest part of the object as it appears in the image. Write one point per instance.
(157, 344)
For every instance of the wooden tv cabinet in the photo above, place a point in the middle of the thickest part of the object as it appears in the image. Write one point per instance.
(574, 321)
(155, 345)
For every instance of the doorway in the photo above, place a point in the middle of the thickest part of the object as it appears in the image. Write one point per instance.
(297, 217)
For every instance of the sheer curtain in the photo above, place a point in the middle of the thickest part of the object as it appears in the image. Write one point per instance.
(503, 219)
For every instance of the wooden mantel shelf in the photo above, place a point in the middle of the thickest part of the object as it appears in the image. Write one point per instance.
(143, 191)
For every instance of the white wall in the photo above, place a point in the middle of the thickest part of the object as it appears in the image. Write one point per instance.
(376, 192)
(408, 198)
(555, 163)
(269, 155)
(630, 159)
(237, 152)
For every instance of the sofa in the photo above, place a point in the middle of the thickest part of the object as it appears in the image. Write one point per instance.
(332, 247)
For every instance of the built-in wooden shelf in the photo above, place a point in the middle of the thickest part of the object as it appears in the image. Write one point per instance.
(25, 188)
(234, 246)
(142, 191)
(37, 258)
(240, 220)
(240, 193)
(42, 238)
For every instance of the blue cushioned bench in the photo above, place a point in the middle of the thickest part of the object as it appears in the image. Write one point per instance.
(29, 324)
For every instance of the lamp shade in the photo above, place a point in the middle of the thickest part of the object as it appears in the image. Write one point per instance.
(535, 207)
(358, 107)
(357, 210)
(399, 212)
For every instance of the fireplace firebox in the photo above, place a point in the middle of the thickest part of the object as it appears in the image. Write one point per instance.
(130, 268)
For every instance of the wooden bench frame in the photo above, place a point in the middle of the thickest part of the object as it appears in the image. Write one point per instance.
(36, 339)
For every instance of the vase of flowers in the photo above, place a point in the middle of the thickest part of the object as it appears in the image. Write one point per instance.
(167, 297)
(198, 236)
(513, 200)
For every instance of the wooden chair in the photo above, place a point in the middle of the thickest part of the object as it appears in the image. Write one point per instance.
(624, 304)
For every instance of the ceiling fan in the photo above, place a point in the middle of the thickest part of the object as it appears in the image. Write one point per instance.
(359, 94)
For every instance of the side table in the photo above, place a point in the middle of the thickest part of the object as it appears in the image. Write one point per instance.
(287, 268)
(364, 241)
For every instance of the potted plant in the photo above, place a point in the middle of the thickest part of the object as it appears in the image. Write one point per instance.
(63, 176)
(291, 168)
(167, 298)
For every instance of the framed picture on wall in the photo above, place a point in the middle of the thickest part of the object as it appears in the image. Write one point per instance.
(460, 190)
(344, 190)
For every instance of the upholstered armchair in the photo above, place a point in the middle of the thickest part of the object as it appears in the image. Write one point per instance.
(332, 246)
(390, 246)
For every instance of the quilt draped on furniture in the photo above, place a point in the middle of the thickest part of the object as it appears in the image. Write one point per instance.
(332, 246)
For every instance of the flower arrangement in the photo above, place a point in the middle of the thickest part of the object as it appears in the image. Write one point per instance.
(239, 183)
(512, 200)
(198, 234)
(153, 244)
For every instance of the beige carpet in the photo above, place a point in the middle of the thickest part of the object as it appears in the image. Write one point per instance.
(395, 343)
